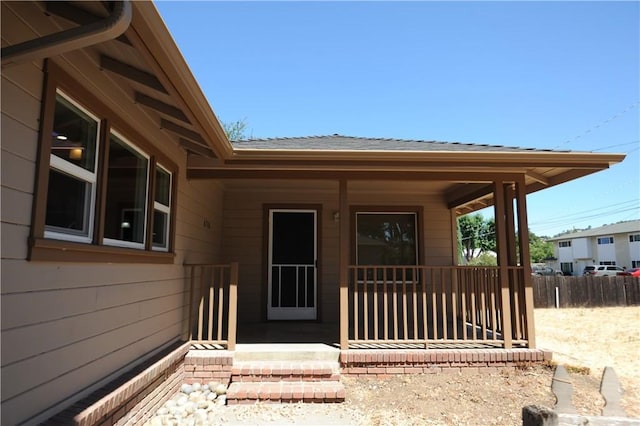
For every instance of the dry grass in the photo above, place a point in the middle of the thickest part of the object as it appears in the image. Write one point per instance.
(595, 338)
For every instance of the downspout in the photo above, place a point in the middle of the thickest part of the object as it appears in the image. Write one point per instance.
(72, 39)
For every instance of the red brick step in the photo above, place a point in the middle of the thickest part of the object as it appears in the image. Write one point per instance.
(255, 371)
(285, 392)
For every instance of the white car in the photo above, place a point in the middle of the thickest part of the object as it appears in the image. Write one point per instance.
(607, 270)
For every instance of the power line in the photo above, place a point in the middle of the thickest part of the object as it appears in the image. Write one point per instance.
(570, 216)
(604, 123)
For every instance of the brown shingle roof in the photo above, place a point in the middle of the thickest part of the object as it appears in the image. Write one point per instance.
(349, 143)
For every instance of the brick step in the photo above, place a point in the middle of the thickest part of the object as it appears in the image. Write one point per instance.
(273, 371)
(285, 392)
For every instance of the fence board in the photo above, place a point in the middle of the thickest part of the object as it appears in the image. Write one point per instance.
(586, 291)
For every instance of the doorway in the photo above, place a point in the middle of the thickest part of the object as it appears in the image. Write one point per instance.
(292, 264)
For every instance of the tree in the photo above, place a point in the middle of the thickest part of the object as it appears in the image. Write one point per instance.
(235, 130)
(475, 236)
(539, 249)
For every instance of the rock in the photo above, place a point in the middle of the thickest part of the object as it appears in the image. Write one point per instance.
(211, 396)
(221, 389)
(186, 389)
(222, 400)
(197, 386)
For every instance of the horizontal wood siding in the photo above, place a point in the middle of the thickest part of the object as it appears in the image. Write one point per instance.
(68, 326)
(243, 234)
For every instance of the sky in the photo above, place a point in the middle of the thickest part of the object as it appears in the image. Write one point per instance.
(549, 75)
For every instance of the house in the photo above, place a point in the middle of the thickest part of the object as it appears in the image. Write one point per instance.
(615, 244)
(118, 180)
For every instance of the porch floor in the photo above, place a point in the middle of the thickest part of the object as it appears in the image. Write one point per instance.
(291, 332)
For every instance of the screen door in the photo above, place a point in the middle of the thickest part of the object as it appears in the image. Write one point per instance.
(292, 264)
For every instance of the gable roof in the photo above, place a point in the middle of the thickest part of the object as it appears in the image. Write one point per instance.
(338, 142)
(615, 228)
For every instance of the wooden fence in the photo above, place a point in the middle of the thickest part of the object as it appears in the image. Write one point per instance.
(585, 291)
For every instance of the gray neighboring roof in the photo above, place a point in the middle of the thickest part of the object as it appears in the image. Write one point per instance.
(616, 228)
(349, 143)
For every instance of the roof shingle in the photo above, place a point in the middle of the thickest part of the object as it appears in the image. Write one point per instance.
(338, 142)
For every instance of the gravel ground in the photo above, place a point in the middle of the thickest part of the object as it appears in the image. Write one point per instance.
(586, 340)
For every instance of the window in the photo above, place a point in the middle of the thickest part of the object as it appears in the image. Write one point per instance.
(104, 193)
(72, 172)
(126, 201)
(634, 238)
(566, 268)
(161, 209)
(386, 238)
(607, 262)
(635, 263)
(605, 240)
(564, 244)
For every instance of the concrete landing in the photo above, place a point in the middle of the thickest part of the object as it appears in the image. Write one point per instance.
(285, 352)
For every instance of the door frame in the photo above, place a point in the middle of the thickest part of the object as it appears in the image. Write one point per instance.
(267, 208)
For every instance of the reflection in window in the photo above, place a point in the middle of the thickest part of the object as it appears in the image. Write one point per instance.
(67, 203)
(386, 238)
(74, 135)
(126, 200)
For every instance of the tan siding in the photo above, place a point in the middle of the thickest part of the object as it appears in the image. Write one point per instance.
(66, 326)
(243, 232)
(18, 138)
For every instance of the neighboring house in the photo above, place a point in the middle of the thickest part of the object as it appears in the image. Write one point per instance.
(617, 244)
(116, 174)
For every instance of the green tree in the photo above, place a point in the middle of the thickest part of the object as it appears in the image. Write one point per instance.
(539, 249)
(235, 130)
(475, 236)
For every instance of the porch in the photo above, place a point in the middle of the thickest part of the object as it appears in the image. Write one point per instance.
(384, 307)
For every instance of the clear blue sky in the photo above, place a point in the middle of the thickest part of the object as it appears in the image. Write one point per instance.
(559, 75)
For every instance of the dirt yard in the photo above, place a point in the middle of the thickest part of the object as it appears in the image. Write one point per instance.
(584, 340)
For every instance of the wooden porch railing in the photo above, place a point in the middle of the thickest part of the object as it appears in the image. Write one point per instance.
(434, 304)
(213, 304)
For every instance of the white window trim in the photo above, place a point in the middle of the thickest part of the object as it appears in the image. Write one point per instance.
(164, 209)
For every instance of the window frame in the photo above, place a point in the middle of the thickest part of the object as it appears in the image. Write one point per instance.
(634, 238)
(564, 244)
(603, 241)
(48, 246)
(391, 209)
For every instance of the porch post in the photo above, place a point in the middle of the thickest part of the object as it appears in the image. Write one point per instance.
(503, 260)
(233, 306)
(344, 265)
(525, 259)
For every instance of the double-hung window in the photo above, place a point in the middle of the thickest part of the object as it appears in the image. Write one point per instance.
(104, 193)
(73, 172)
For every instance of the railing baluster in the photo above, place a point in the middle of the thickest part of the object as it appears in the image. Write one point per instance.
(211, 311)
(405, 329)
(443, 298)
(463, 299)
(365, 305)
(415, 275)
(454, 302)
(355, 304)
(385, 301)
(425, 315)
(395, 304)
(434, 305)
(220, 302)
(375, 303)
(483, 305)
